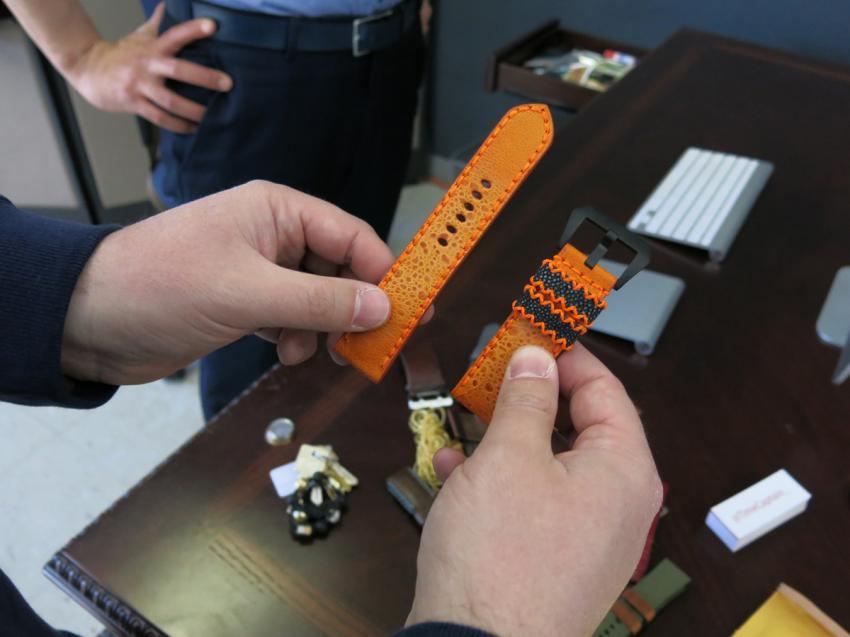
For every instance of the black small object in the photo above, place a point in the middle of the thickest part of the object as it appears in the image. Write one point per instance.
(614, 232)
(314, 507)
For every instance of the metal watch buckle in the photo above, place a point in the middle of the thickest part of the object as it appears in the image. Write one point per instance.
(435, 399)
(355, 31)
(614, 232)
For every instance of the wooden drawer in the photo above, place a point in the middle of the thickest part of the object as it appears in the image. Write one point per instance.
(506, 73)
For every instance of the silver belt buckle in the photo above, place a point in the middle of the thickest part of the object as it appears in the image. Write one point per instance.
(355, 31)
(430, 400)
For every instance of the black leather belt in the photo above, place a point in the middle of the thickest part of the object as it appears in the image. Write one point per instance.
(358, 35)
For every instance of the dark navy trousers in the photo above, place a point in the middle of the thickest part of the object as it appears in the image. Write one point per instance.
(329, 124)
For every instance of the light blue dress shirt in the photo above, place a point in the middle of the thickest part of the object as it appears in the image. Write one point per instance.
(310, 8)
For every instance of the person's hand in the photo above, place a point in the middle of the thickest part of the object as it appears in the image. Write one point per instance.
(523, 542)
(425, 13)
(158, 294)
(129, 75)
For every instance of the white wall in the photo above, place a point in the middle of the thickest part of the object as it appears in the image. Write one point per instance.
(114, 148)
(34, 167)
(35, 170)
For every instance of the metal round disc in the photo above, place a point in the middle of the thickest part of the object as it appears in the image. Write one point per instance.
(280, 431)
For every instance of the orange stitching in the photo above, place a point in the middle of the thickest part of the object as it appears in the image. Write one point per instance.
(591, 290)
(558, 344)
(557, 304)
(486, 220)
(486, 351)
(568, 314)
(577, 280)
(576, 323)
(561, 342)
(560, 262)
(576, 326)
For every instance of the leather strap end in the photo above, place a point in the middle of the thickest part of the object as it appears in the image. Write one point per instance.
(477, 196)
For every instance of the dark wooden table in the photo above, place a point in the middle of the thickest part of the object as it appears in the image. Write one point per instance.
(738, 387)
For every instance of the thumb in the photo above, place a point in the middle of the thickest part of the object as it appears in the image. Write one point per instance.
(152, 25)
(445, 461)
(527, 403)
(281, 298)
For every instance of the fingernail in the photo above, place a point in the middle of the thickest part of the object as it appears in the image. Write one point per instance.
(336, 358)
(531, 362)
(207, 26)
(225, 83)
(371, 308)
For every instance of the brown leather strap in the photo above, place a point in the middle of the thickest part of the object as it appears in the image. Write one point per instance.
(422, 369)
(470, 430)
(425, 383)
(411, 493)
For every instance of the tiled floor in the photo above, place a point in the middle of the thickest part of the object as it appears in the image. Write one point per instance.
(59, 468)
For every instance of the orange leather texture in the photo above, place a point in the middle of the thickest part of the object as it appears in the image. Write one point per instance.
(479, 193)
(479, 387)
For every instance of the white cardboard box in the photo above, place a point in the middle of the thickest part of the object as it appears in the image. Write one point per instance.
(748, 515)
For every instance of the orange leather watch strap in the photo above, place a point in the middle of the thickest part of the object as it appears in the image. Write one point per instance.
(558, 304)
(454, 227)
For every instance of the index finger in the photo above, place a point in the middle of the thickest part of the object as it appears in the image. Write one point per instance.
(178, 36)
(333, 235)
(601, 410)
(190, 73)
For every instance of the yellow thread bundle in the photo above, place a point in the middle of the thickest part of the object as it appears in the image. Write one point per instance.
(430, 435)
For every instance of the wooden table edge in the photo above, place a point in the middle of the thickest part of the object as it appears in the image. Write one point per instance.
(104, 606)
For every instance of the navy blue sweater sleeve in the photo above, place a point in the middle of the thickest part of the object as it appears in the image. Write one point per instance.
(441, 629)
(40, 262)
(16, 615)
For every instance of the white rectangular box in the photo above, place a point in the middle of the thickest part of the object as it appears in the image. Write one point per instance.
(747, 516)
